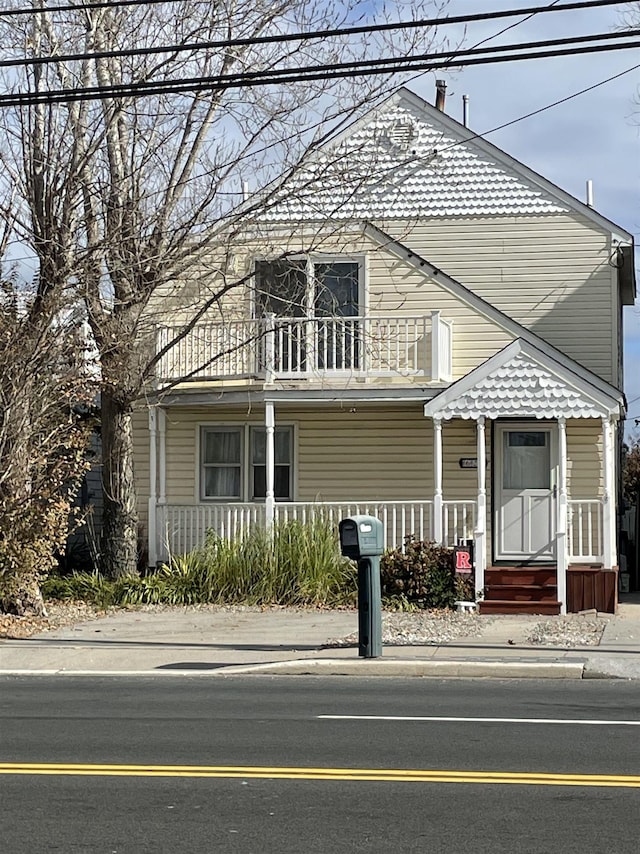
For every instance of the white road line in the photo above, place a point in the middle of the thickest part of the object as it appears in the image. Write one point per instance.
(429, 719)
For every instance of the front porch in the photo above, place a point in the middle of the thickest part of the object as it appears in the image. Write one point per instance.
(182, 528)
(512, 458)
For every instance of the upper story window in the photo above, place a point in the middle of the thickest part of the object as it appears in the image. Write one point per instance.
(309, 288)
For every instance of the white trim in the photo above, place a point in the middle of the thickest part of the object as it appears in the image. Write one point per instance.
(269, 501)
(437, 481)
(603, 402)
(153, 487)
(436, 370)
(609, 496)
(561, 523)
(162, 435)
(480, 533)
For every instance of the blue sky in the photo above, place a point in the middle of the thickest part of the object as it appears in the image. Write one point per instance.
(595, 136)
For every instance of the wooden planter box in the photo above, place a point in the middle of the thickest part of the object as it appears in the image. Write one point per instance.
(592, 587)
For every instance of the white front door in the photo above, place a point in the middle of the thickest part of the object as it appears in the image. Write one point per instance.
(525, 492)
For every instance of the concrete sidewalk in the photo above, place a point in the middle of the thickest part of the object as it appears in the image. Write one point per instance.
(219, 642)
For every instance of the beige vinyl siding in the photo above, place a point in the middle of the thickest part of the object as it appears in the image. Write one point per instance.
(584, 459)
(396, 288)
(549, 273)
(375, 452)
(369, 453)
(459, 440)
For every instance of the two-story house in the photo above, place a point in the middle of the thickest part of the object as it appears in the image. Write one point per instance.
(429, 332)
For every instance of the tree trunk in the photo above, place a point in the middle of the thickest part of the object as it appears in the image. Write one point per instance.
(23, 598)
(119, 542)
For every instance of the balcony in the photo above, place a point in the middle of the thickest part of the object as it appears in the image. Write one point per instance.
(274, 348)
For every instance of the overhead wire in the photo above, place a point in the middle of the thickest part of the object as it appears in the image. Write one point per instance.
(532, 11)
(342, 31)
(388, 65)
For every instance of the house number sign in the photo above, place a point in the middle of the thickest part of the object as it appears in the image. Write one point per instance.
(468, 462)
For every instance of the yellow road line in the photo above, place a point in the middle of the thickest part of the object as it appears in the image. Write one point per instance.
(354, 774)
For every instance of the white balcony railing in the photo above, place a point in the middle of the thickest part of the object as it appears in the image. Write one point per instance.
(291, 347)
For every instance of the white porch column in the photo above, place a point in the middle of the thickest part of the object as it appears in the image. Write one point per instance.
(609, 497)
(163, 547)
(162, 434)
(480, 533)
(435, 346)
(437, 480)
(153, 487)
(561, 518)
(269, 504)
(270, 349)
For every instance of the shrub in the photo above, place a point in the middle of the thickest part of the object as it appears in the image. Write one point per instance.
(420, 575)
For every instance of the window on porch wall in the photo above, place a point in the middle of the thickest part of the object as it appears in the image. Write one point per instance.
(314, 290)
(234, 456)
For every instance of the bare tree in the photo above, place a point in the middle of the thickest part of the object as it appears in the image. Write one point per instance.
(45, 392)
(136, 188)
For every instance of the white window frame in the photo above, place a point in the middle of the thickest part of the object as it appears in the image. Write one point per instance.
(202, 465)
(246, 462)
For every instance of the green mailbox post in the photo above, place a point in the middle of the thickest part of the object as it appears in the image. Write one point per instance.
(362, 539)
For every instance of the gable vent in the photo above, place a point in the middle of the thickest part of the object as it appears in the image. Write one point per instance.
(401, 134)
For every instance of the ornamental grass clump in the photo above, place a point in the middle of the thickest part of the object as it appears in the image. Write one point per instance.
(293, 563)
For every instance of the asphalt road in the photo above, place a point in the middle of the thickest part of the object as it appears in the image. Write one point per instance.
(283, 765)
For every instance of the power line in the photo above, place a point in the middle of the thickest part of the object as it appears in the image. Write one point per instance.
(472, 51)
(548, 107)
(316, 72)
(315, 34)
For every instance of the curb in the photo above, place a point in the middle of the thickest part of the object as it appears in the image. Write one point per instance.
(358, 667)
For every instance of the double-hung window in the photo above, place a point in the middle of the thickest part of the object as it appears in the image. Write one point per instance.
(233, 463)
(221, 459)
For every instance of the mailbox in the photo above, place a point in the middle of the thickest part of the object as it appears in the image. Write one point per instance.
(361, 536)
(362, 539)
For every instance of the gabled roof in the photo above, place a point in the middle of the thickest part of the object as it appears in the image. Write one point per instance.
(405, 158)
(523, 381)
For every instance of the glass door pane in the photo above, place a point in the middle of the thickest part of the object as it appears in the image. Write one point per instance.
(336, 298)
(527, 460)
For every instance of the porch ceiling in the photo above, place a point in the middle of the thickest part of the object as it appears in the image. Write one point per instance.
(523, 381)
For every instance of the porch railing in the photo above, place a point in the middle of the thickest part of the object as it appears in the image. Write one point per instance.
(183, 527)
(585, 531)
(399, 518)
(291, 347)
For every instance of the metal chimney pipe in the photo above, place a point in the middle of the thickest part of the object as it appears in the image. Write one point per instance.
(465, 110)
(441, 93)
(590, 193)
